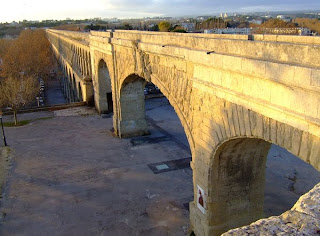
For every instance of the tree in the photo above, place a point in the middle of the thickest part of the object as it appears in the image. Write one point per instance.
(212, 23)
(127, 27)
(164, 26)
(154, 28)
(312, 24)
(30, 54)
(275, 23)
(16, 92)
(4, 46)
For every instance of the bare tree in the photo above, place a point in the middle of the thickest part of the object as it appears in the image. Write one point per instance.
(17, 92)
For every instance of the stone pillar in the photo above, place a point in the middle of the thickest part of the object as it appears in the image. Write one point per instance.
(101, 101)
(132, 120)
(87, 96)
(235, 188)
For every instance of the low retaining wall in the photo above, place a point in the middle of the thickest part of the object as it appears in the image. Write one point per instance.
(48, 108)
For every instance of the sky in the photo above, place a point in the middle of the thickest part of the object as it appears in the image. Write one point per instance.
(17, 10)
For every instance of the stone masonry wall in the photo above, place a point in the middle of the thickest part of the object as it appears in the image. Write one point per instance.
(302, 219)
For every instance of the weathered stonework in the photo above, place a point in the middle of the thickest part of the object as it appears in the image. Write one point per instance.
(233, 96)
(302, 219)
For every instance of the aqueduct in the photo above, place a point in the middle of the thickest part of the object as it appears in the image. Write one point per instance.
(235, 95)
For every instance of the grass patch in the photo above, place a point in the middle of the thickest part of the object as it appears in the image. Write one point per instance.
(20, 123)
(23, 122)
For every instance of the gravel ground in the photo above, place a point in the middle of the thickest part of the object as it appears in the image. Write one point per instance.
(70, 176)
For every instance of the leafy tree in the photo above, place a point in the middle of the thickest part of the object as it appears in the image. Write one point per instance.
(95, 27)
(164, 26)
(16, 92)
(127, 26)
(26, 59)
(275, 23)
(312, 24)
(154, 28)
(212, 23)
(30, 54)
(4, 46)
(179, 31)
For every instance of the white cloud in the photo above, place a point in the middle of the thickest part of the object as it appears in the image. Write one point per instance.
(60, 9)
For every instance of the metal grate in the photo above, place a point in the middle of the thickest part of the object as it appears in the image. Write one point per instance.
(166, 166)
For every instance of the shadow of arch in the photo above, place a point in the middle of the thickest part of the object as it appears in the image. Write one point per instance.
(132, 108)
(237, 181)
(80, 92)
(74, 88)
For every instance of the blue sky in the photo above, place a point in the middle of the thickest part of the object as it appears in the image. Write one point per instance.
(80, 9)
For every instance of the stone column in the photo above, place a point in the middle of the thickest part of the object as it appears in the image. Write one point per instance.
(132, 120)
(234, 191)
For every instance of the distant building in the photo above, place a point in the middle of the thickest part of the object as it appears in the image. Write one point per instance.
(225, 15)
(114, 20)
(285, 31)
(32, 28)
(228, 31)
(189, 27)
(284, 18)
(14, 24)
(258, 22)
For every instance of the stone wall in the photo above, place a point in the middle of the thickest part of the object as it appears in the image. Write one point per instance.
(302, 219)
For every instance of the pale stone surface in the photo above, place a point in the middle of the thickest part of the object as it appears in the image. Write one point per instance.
(222, 88)
(302, 219)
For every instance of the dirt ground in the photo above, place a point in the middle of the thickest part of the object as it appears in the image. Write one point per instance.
(70, 176)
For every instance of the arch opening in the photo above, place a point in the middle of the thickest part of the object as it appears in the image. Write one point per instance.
(149, 120)
(134, 90)
(74, 89)
(103, 92)
(252, 179)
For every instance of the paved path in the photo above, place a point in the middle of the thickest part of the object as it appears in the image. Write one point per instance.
(54, 93)
(70, 176)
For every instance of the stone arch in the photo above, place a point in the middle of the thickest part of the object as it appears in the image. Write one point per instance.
(230, 163)
(132, 107)
(177, 109)
(103, 89)
(237, 179)
(132, 120)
